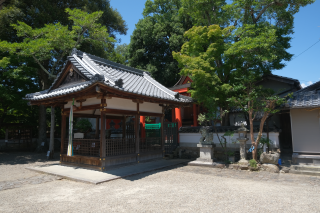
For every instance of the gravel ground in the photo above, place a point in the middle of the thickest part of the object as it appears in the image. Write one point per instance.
(177, 189)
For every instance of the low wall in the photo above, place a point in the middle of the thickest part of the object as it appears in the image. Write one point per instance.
(192, 139)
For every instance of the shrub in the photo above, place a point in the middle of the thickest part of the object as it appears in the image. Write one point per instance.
(83, 125)
(253, 163)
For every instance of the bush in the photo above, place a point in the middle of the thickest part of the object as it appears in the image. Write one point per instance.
(253, 163)
(83, 125)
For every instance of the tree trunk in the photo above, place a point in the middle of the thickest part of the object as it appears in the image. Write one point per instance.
(45, 84)
(51, 145)
(42, 137)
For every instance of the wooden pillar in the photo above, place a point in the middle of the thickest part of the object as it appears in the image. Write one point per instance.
(178, 117)
(51, 144)
(173, 115)
(178, 120)
(137, 138)
(97, 129)
(143, 130)
(63, 131)
(103, 131)
(162, 133)
(195, 115)
(124, 127)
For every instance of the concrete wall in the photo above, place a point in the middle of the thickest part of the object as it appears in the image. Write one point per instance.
(305, 130)
(192, 139)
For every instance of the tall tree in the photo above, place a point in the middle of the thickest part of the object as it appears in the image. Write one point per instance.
(55, 41)
(233, 39)
(37, 14)
(156, 35)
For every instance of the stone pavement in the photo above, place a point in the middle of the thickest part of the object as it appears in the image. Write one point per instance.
(96, 177)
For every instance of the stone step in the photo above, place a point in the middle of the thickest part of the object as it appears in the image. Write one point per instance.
(305, 172)
(305, 168)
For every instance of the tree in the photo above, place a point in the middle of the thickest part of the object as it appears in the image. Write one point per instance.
(55, 41)
(156, 35)
(121, 54)
(36, 14)
(231, 40)
(258, 102)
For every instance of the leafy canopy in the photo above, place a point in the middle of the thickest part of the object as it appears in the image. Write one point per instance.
(55, 41)
(232, 40)
(155, 37)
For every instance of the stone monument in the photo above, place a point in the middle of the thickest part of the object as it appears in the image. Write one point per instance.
(242, 131)
(206, 145)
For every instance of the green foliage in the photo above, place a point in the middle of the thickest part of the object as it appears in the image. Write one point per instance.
(83, 125)
(265, 141)
(56, 40)
(20, 74)
(253, 163)
(202, 119)
(257, 101)
(121, 54)
(156, 35)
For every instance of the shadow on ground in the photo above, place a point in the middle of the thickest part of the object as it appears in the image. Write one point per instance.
(13, 158)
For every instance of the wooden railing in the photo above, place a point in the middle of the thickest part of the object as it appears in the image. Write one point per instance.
(150, 144)
(85, 147)
(120, 146)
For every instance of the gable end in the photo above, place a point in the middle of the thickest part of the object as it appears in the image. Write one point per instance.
(70, 75)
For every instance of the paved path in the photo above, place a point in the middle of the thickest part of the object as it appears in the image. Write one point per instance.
(96, 177)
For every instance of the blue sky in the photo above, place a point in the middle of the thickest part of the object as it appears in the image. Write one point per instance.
(305, 68)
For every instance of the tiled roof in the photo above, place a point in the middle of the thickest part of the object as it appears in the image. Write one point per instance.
(308, 97)
(112, 74)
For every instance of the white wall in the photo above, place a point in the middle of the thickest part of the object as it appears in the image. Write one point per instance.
(305, 130)
(192, 139)
(120, 104)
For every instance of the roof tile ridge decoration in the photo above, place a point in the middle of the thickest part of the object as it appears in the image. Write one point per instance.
(84, 65)
(95, 67)
(160, 86)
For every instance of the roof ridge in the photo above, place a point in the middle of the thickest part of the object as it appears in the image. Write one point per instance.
(113, 64)
(93, 65)
(307, 87)
(160, 86)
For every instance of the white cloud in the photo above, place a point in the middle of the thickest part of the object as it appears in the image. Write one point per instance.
(307, 84)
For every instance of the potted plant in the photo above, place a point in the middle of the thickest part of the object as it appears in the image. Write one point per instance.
(83, 126)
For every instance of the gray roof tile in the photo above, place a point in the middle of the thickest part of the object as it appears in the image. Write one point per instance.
(108, 72)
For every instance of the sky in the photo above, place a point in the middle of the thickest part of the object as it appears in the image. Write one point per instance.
(305, 67)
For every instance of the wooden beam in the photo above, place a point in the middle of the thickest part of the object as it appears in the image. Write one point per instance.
(85, 115)
(84, 108)
(81, 100)
(137, 101)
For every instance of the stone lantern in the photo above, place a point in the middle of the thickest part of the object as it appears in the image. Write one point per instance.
(242, 131)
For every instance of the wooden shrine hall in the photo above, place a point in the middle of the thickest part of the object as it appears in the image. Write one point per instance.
(103, 89)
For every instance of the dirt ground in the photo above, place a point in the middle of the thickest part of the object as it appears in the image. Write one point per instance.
(177, 189)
